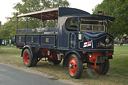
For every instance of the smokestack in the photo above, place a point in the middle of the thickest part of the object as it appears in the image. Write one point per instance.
(101, 13)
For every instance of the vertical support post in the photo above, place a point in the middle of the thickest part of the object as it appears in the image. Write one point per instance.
(41, 21)
(27, 22)
(43, 24)
(54, 23)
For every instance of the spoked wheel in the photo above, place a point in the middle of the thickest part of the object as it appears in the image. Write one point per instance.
(103, 69)
(75, 66)
(28, 58)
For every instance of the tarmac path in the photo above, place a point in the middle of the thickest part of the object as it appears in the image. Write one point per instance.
(14, 76)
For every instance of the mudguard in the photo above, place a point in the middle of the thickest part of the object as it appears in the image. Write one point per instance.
(66, 57)
(26, 47)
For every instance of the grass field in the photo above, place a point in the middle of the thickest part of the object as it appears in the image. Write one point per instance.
(117, 75)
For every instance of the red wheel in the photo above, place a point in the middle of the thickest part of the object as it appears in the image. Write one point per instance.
(75, 66)
(27, 58)
(72, 66)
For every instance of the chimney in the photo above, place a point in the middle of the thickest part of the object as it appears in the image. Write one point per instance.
(101, 13)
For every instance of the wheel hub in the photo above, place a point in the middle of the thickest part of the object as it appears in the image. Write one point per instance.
(71, 65)
(28, 57)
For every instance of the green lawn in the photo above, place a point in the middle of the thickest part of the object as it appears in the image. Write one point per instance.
(117, 75)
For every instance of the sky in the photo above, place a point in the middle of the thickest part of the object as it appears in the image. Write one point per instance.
(6, 7)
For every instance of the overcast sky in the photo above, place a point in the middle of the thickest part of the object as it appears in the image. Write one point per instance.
(6, 6)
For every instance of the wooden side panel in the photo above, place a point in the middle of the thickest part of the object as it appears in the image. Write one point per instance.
(48, 41)
(39, 41)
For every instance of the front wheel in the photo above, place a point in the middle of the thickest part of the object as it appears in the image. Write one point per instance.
(75, 66)
(103, 68)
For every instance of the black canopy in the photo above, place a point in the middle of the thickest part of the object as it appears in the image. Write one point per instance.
(54, 13)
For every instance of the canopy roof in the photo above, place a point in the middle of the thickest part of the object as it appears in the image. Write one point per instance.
(44, 15)
(54, 13)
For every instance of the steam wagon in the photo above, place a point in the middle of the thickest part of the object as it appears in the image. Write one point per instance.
(79, 37)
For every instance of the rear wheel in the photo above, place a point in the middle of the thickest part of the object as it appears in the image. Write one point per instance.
(35, 61)
(75, 66)
(36, 56)
(27, 58)
(103, 68)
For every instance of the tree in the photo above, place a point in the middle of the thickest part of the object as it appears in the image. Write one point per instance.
(26, 6)
(119, 10)
(4, 34)
(8, 30)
